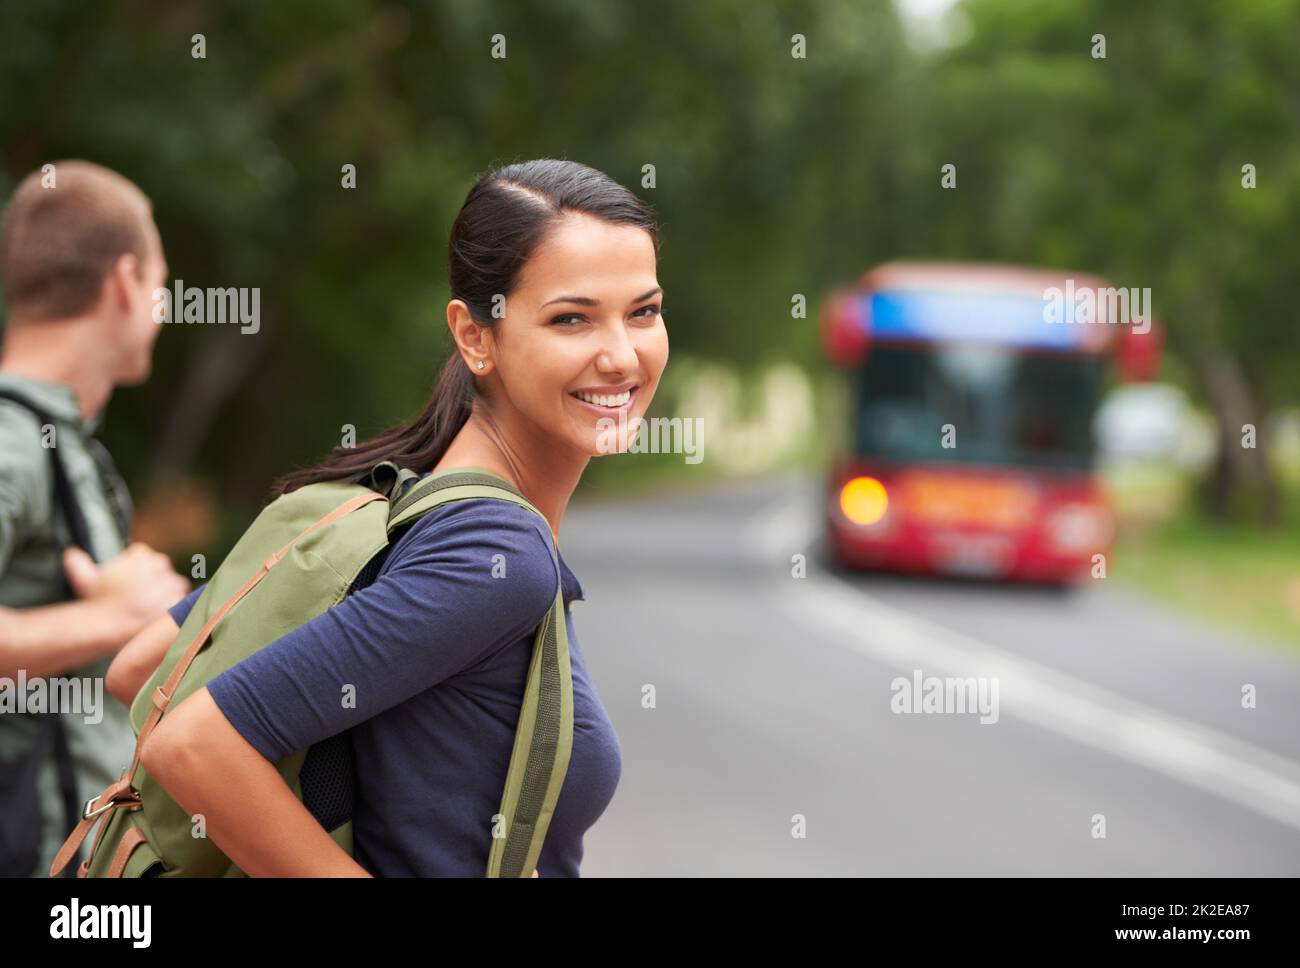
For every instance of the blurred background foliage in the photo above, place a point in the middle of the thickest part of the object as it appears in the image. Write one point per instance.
(775, 176)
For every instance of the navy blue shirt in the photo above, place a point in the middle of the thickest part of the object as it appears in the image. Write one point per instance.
(437, 649)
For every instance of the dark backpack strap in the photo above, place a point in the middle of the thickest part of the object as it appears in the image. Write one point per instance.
(64, 499)
(66, 504)
(119, 499)
(67, 785)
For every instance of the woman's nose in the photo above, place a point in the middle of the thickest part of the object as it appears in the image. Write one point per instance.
(618, 353)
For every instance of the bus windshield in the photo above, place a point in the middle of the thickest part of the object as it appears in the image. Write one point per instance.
(1005, 407)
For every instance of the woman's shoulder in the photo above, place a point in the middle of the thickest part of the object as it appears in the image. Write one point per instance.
(480, 539)
(481, 519)
(489, 508)
(491, 527)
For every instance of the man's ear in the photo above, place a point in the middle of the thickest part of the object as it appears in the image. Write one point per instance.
(121, 281)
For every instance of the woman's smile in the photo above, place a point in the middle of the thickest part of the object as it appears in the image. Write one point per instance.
(607, 400)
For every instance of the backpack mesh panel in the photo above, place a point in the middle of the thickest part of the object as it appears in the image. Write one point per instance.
(329, 781)
(369, 572)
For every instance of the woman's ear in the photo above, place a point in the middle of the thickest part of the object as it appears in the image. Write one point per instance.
(473, 342)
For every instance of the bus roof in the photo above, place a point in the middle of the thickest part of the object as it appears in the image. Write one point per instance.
(972, 277)
(921, 302)
(1018, 307)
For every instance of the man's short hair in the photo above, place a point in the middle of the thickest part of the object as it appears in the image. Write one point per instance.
(58, 243)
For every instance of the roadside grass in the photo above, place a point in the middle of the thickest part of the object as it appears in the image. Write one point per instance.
(1232, 576)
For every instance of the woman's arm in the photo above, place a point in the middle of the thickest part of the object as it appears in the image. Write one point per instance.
(138, 659)
(250, 812)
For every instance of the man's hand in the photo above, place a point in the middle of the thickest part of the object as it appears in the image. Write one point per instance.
(133, 588)
(114, 602)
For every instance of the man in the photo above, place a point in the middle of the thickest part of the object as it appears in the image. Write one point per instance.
(80, 257)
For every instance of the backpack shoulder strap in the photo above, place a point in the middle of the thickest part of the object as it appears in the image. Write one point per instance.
(65, 501)
(458, 484)
(544, 734)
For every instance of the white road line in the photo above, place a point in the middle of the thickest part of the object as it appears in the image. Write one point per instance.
(1230, 768)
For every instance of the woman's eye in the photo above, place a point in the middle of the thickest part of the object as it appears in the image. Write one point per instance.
(647, 312)
(561, 320)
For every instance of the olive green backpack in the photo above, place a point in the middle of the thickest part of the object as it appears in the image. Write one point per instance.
(305, 552)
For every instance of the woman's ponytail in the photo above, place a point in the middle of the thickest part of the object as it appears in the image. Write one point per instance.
(418, 445)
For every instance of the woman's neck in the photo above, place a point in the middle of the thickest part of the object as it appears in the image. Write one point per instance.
(547, 477)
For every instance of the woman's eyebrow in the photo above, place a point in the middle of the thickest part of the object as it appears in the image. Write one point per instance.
(588, 301)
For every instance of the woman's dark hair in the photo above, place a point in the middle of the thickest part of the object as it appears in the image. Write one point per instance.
(505, 216)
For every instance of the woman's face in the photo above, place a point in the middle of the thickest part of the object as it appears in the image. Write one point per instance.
(584, 322)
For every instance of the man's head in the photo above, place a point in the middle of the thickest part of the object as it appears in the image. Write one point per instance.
(78, 243)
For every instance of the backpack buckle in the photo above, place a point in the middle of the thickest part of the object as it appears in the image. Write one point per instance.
(88, 814)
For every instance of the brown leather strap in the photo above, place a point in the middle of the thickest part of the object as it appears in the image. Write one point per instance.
(116, 796)
(129, 842)
(121, 793)
(70, 846)
(82, 831)
(103, 829)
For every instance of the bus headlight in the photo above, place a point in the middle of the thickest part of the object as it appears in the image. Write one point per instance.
(1077, 528)
(864, 501)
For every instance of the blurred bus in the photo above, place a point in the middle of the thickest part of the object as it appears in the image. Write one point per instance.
(971, 429)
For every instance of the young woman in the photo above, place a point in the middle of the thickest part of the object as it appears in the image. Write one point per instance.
(437, 648)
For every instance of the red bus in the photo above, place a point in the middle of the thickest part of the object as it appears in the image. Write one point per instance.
(971, 437)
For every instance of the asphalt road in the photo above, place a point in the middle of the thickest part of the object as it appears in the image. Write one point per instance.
(773, 703)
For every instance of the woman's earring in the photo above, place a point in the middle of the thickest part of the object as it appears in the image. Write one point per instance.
(480, 364)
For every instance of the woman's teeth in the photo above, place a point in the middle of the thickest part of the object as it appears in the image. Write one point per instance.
(601, 400)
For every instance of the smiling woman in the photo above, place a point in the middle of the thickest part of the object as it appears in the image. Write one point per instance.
(582, 337)
(435, 650)
(555, 298)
